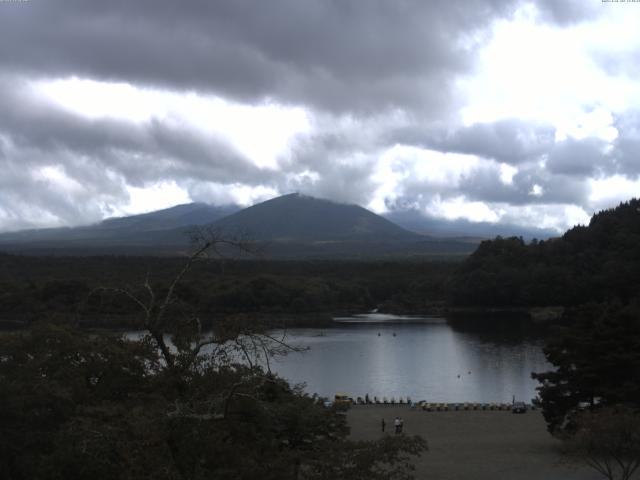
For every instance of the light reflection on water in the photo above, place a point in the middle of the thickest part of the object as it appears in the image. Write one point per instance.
(428, 361)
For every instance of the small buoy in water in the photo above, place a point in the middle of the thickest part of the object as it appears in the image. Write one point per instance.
(469, 372)
(458, 375)
(378, 333)
(394, 334)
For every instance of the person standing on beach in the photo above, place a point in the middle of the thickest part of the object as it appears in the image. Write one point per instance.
(384, 424)
(396, 424)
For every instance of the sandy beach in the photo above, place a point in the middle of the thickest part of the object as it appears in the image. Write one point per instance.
(474, 445)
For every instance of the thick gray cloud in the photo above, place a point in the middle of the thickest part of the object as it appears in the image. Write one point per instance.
(532, 185)
(29, 199)
(339, 166)
(584, 157)
(370, 75)
(141, 152)
(627, 159)
(511, 141)
(340, 56)
(553, 188)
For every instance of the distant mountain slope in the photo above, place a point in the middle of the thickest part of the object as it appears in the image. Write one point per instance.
(124, 229)
(415, 221)
(292, 226)
(297, 217)
(174, 217)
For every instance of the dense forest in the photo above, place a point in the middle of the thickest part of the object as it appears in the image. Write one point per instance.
(83, 288)
(597, 262)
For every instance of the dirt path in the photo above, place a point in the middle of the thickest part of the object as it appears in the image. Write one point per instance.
(474, 445)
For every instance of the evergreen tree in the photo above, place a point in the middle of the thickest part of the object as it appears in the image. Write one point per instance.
(597, 363)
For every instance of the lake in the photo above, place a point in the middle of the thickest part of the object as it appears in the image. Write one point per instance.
(426, 359)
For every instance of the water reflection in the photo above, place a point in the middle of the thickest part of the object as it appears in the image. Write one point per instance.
(423, 360)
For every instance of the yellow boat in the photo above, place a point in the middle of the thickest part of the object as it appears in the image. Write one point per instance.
(342, 399)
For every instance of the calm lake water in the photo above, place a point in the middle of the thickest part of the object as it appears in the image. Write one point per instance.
(425, 359)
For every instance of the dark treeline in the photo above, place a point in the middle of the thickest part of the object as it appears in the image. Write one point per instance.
(598, 262)
(59, 288)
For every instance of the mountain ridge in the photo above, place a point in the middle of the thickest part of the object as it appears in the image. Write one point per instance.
(415, 221)
(293, 225)
(299, 217)
(178, 216)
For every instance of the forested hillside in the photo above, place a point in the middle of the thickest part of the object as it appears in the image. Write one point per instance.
(597, 262)
(60, 288)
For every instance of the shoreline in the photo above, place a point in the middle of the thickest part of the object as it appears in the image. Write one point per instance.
(468, 318)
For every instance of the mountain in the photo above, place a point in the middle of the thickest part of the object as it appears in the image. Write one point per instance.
(415, 221)
(299, 218)
(131, 230)
(174, 217)
(292, 226)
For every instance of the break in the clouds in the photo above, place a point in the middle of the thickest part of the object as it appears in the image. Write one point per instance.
(491, 110)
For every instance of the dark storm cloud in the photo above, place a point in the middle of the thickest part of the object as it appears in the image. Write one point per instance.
(555, 188)
(340, 56)
(584, 157)
(511, 141)
(627, 159)
(484, 184)
(530, 185)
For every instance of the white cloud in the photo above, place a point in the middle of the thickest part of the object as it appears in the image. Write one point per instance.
(507, 173)
(608, 192)
(56, 178)
(238, 194)
(459, 207)
(544, 72)
(557, 217)
(597, 123)
(536, 190)
(261, 132)
(153, 197)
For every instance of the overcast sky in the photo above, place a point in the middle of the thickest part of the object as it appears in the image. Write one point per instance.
(489, 110)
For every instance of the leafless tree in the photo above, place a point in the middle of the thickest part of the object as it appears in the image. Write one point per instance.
(239, 334)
